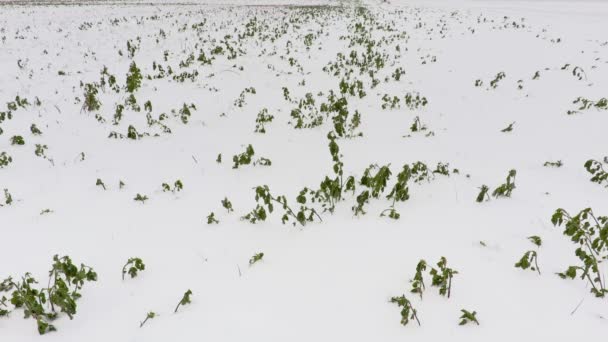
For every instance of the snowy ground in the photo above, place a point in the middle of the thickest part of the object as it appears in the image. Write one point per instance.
(329, 280)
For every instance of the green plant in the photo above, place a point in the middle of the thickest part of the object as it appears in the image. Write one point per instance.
(417, 125)
(134, 78)
(63, 290)
(40, 150)
(442, 277)
(211, 219)
(468, 317)
(596, 168)
(505, 189)
(243, 158)
(100, 183)
(149, 315)
(499, 76)
(17, 140)
(553, 164)
(5, 159)
(530, 258)
(265, 204)
(227, 204)
(219, 158)
(262, 119)
(8, 198)
(255, 258)
(509, 128)
(132, 266)
(91, 103)
(483, 194)
(177, 186)
(35, 130)
(141, 198)
(418, 281)
(184, 301)
(590, 234)
(407, 310)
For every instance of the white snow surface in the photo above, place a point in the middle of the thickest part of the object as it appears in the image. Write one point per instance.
(330, 280)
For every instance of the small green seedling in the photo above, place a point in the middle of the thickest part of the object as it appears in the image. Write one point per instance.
(255, 258)
(468, 317)
(184, 301)
(133, 266)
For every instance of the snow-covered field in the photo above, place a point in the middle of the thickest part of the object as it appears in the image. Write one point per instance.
(495, 81)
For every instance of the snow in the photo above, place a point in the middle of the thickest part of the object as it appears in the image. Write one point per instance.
(330, 280)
